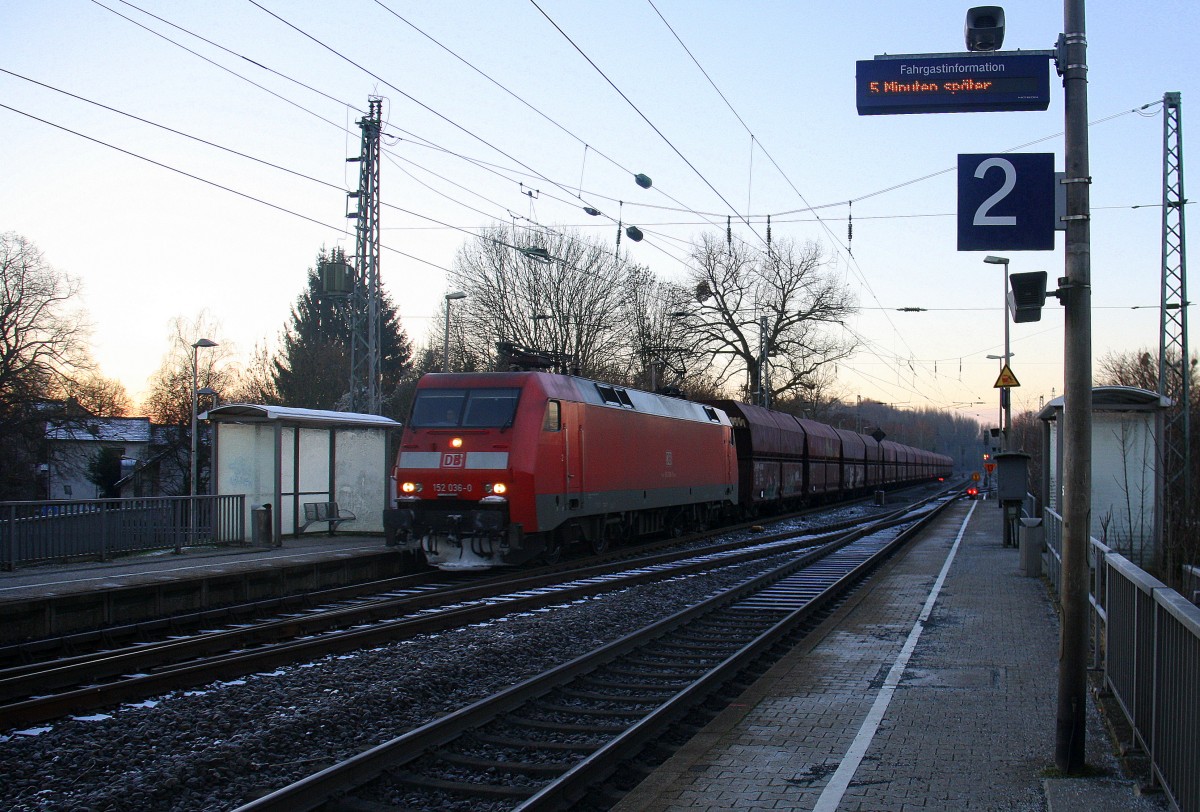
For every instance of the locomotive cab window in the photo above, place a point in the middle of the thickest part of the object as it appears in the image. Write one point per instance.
(464, 408)
(490, 408)
(553, 419)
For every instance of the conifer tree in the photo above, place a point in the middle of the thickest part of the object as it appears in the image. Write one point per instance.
(312, 368)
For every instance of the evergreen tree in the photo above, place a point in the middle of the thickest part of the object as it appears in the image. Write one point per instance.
(312, 369)
(105, 471)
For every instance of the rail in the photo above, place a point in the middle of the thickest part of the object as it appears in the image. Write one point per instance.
(1146, 641)
(59, 530)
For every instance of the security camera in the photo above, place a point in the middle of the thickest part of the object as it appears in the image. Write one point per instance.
(984, 30)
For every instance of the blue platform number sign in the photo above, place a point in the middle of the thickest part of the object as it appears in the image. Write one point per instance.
(1006, 202)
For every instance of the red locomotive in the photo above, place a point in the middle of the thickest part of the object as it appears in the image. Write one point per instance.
(500, 468)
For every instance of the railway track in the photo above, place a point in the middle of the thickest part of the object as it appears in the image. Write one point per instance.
(36, 692)
(336, 599)
(553, 740)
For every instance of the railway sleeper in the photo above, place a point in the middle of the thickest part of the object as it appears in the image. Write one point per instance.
(683, 666)
(562, 727)
(731, 619)
(515, 791)
(551, 768)
(657, 698)
(672, 686)
(667, 656)
(651, 670)
(582, 710)
(585, 702)
(701, 648)
(530, 744)
(351, 804)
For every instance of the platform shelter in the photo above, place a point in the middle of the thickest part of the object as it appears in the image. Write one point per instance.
(288, 458)
(1127, 481)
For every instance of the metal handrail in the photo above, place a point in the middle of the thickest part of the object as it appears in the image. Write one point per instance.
(1146, 642)
(61, 529)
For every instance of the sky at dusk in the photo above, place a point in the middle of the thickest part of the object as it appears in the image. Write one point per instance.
(522, 112)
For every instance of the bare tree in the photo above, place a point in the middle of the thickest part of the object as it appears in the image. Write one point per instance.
(556, 292)
(255, 382)
(170, 400)
(778, 305)
(659, 351)
(1139, 368)
(42, 348)
(100, 396)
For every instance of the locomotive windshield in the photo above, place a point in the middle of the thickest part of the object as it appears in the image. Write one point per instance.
(464, 408)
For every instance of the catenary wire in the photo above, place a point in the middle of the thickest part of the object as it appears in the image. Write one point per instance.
(212, 183)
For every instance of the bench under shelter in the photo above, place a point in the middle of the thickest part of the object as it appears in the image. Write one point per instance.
(316, 469)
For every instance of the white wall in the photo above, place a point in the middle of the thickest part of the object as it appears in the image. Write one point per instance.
(1123, 482)
(246, 465)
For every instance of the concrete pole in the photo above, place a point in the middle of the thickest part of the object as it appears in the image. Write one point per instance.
(1077, 412)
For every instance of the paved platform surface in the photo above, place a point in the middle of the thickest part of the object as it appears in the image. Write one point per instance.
(878, 711)
(58, 580)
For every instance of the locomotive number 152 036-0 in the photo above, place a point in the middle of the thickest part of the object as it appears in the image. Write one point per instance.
(452, 487)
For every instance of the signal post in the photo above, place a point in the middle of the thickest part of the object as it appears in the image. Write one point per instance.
(1006, 202)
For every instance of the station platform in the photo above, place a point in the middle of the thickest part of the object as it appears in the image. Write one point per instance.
(880, 710)
(52, 599)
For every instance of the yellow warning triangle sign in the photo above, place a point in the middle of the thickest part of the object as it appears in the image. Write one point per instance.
(1007, 378)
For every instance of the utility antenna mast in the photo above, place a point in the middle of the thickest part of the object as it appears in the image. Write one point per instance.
(1173, 362)
(365, 360)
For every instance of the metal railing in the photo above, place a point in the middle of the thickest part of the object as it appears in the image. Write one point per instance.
(61, 530)
(1147, 643)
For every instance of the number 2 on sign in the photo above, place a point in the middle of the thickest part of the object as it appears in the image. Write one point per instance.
(982, 217)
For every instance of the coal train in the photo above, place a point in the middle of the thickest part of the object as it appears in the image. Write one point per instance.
(502, 468)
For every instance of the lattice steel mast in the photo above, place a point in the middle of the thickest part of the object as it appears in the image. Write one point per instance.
(1173, 362)
(365, 361)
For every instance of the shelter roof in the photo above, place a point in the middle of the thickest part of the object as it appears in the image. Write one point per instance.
(291, 415)
(1112, 398)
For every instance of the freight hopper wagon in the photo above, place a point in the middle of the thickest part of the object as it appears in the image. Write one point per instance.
(783, 461)
(500, 468)
(786, 461)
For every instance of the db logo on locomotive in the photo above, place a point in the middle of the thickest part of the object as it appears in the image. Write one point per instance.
(453, 460)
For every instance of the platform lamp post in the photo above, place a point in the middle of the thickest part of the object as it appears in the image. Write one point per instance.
(1005, 395)
(1005, 415)
(203, 342)
(458, 294)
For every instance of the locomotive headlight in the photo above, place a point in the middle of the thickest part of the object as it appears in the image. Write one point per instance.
(411, 487)
(456, 442)
(496, 487)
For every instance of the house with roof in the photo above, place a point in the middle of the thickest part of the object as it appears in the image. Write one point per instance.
(96, 457)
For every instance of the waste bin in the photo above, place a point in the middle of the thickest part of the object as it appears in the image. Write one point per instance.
(1032, 540)
(261, 530)
(880, 498)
